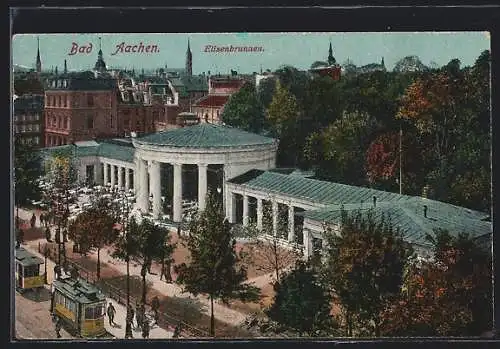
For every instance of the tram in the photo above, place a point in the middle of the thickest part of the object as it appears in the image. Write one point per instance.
(28, 275)
(80, 305)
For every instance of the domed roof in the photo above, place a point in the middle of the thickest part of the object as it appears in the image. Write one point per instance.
(205, 135)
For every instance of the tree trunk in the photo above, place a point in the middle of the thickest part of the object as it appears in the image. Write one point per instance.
(212, 318)
(349, 324)
(276, 261)
(143, 274)
(98, 264)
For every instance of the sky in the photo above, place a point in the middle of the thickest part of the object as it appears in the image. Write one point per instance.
(297, 49)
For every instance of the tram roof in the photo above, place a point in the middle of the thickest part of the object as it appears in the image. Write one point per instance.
(79, 290)
(26, 258)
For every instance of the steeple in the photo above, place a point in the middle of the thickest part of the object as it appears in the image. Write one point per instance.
(100, 65)
(65, 67)
(189, 60)
(331, 59)
(38, 60)
(382, 63)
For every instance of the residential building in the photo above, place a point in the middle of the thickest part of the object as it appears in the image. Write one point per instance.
(28, 118)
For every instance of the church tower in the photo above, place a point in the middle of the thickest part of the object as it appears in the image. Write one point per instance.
(331, 59)
(38, 60)
(100, 65)
(189, 61)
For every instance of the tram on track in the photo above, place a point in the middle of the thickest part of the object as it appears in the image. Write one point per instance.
(28, 276)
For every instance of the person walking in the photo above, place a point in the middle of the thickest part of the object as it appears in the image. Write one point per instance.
(145, 329)
(177, 331)
(129, 322)
(33, 221)
(139, 315)
(41, 219)
(58, 327)
(111, 314)
(155, 307)
(47, 234)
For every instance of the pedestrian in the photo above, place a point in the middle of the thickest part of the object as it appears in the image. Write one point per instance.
(33, 221)
(47, 234)
(131, 315)
(155, 306)
(145, 329)
(58, 327)
(139, 316)
(168, 276)
(162, 273)
(129, 322)
(111, 313)
(57, 271)
(41, 219)
(177, 331)
(65, 235)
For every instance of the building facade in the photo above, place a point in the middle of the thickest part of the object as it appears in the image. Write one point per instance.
(29, 119)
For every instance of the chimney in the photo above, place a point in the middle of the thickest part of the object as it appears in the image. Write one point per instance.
(425, 211)
(374, 201)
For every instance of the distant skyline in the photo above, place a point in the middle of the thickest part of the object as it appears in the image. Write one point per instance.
(274, 49)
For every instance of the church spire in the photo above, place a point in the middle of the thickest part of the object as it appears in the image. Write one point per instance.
(189, 60)
(65, 67)
(100, 65)
(331, 59)
(38, 60)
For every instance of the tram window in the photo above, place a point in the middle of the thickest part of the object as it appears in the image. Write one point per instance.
(31, 271)
(95, 312)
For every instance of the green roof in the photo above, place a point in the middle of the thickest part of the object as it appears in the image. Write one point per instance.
(79, 290)
(27, 258)
(119, 149)
(124, 152)
(205, 135)
(406, 212)
(409, 217)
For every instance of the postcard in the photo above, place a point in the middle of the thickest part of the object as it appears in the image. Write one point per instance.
(252, 185)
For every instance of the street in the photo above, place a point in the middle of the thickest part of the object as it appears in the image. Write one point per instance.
(33, 319)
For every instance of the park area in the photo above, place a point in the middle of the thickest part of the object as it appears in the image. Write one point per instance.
(176, 306)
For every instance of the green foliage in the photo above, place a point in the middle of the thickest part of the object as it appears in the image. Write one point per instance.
(365, 264)
(27, 171)
(266, 90)
(212, 268)
(244, 110)
(144, 242)
(448, 296)
(301, 302)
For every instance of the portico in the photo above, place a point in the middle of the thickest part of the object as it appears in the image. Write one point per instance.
(204, 146)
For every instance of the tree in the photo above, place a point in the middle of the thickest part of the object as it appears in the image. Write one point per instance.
(244, 110)
(283, 109)
(265, 91)
(212, 267)
(338, 151)
(144, 242)
(94, 228)
(450, 295)
(302, 302)
(266, 245)
(27, 172)
(364, 264)
(61, 174)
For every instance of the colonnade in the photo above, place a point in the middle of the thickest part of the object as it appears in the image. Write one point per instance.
(114, 175)
(153, 186)
(231, 213)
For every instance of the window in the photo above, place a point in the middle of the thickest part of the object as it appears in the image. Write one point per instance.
(90, 100)
(37, 116)
(90, 122)
(94, 312)
(28, 127)
(111, 121)
(17, 129)
(36, 140)
(32, 270)
(126, 122)
(59, 122)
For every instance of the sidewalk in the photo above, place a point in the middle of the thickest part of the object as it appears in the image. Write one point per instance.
(221, 312)
(118, 330)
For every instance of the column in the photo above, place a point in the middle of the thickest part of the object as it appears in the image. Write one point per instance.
(177, 199)
(307, 243)
(120, 177)
(127, 178)
(112, 176)
(259, 213)
(225, 198)
(202, 186)
(291, 224)
(142, 187)
(106, 177)
(98, 173)
(234, 202)
(156, 188)
(275, 217)
(245, 210)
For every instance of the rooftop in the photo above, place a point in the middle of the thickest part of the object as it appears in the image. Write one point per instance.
(79, 290)
(26, 258)
(212, 101)
(205, 135)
